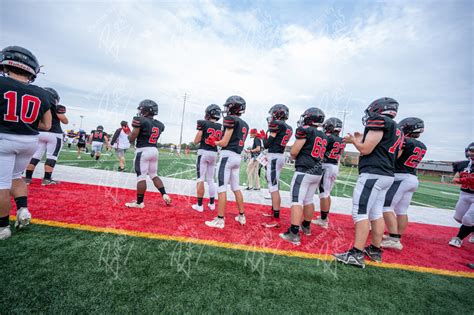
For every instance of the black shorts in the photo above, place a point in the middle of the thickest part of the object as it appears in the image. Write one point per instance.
(81, 145)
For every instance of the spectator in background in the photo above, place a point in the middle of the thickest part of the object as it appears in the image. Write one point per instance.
(121, 144)
(253, 166)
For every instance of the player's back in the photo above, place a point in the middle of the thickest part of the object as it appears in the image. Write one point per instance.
(150, 131)
(239, 135)
(22, 106)
(209, 128)
(283, 134)
(334, 149)
(413, 152)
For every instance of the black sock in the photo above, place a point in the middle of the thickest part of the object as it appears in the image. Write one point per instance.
(21, 202)
(356, 250)
(200, 201)
(97, 157)
(29, 174)
(47, 175)
(306, 223)
(294, 229)
(220, 217)
(211, 200)
(162, 190)
(395, 235)
(464, 231)
(276, 213)
(324, 215)
(140, 198)
(4, 221)
(372, 247)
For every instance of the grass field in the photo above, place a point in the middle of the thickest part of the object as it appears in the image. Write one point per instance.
(56, 270)
(429, 193)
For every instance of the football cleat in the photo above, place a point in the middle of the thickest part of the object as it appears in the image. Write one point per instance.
(256, 189)
(351, 258)
(455, 242)
(5, 232)
(373, 253)
(216, 223)
(306, 230)
(471, 239)
(198, 208)
(134, 204)
(272, 223)
(23, 218)
(391, 242)
(241, 219)
(27, 180)
(212, 206)
(290, 237)
(268, 214)
(248, 188)
(47, 182)
(322, 223)
(167, 199)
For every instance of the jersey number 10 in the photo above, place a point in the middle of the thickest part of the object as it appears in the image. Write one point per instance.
(29, 108)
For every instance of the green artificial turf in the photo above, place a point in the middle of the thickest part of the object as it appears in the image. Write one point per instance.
(55, 270)
(429, 194)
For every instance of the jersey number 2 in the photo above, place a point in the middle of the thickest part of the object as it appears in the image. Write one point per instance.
(415, 158)
(29, 108)
(155, 133)
(286, 138)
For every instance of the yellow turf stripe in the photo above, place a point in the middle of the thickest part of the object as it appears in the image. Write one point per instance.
(266, 250)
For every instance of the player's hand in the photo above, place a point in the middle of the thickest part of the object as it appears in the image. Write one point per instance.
(262, 134)
(61, 109)
(358, 136)
(350, 138)
(463, 181)
(211, 140)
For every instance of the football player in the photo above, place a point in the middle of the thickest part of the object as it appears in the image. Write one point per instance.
(279, 133)
(308, 153)
(207, 155)
(71, 135)
(49, 141)
(81, 142)
(24, 108)
(146, 131)
(399, 195)
(253, 166)
(97, 139)
(232, 144)
(332, 128)
(465, 207)
(378, 147)
(121, 143)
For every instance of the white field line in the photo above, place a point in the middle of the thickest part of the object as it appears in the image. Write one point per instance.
(179, 173)
(449, 193)
(423, 204)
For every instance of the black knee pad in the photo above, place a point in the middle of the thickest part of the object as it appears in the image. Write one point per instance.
(34, 162)
(50, 162)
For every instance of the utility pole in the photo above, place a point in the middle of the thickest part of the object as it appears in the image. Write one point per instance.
(344, 112)
(182, 120)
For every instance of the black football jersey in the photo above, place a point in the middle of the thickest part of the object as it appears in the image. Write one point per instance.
(209, 128)
(257, 142)
(150, 131)
(98, 136)
(334, 149)
(311, 156)
(55, 122)
(283, 135)
(413, 152)
(382, 159)
(82, 137)
(241, 129)
(22, 106)
(465, 170)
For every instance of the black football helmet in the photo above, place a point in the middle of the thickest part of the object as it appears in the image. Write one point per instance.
(234, 105)
(332, 125)
(123, 123)
(278, 112)
(54, 93)
(99, 128)
(22, 58)
(147, 108)
(469, 151)
(312, 117)
(412, 126)
(383, 106)
(213, 111)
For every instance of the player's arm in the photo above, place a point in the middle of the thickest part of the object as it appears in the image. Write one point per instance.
(61, 114)
(226, 138)
(106, 139)
(46, 120)
(457, 178)
(272, 133)
(136, 124)
(198, 137)
(115, 136)
(296, 148)
(365, 147)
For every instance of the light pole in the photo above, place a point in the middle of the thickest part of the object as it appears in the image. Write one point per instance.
(82, 116)
(182, 121)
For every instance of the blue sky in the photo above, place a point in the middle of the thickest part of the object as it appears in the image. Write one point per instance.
(104, 57)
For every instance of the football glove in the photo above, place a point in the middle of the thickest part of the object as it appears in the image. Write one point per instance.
(211, 140)
(60, 109)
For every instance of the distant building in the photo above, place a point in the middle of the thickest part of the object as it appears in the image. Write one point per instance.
(435, 168)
